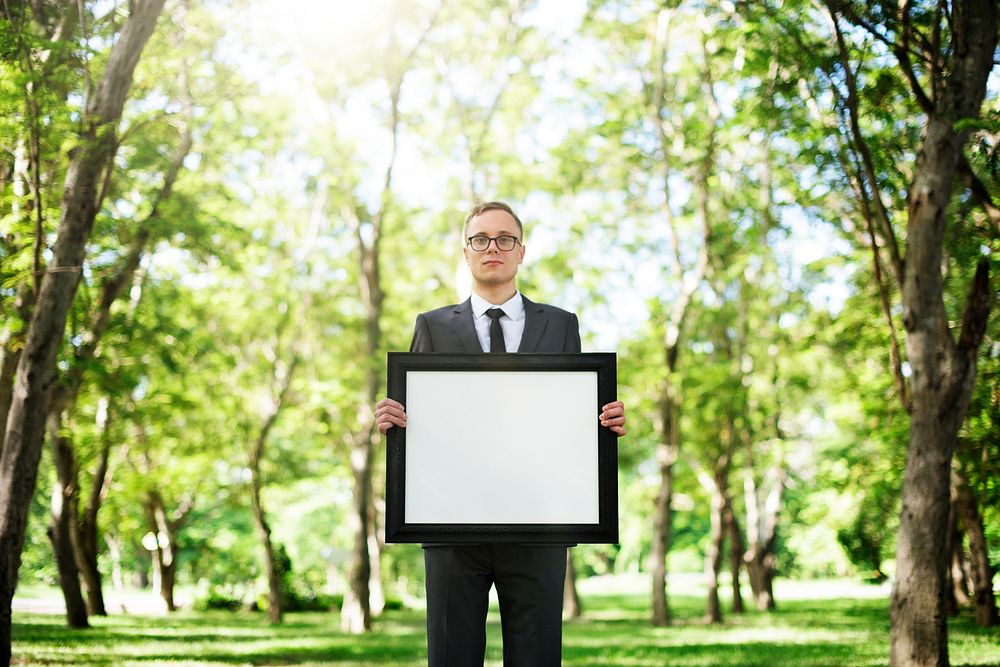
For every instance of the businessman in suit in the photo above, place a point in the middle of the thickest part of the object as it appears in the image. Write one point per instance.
(529, 578)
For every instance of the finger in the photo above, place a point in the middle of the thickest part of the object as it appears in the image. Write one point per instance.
(619, 430)
(386, 422)
(386, 411)
(388, 402)
(613, 409)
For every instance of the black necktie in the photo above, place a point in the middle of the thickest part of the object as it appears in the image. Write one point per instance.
(496, 332)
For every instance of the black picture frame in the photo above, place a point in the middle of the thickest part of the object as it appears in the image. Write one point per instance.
(463, 490)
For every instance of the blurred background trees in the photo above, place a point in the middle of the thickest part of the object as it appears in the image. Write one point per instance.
(719, 190)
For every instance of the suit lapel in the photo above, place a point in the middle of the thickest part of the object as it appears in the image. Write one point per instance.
(534, 325)
(465, 328)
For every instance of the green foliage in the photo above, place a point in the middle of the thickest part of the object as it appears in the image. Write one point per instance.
(252, 258)
(865, 539)
(216, 601)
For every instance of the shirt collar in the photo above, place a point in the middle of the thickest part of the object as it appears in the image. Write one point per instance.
(512, 308)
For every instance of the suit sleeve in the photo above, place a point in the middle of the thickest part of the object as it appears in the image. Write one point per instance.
(572, 342)
(421, 336)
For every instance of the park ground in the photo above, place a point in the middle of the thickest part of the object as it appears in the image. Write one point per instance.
(817, 623)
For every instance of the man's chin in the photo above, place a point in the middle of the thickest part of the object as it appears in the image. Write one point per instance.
(493, 280)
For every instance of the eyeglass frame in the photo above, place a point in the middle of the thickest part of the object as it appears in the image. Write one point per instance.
(495, 240)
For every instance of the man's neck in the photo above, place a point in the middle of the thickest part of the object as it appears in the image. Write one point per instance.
(496, 294)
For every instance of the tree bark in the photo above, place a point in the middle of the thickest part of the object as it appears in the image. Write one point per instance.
(571, 598)
(956, 586)
(281, 382)
(88, 535)
(67, 526)
(25, 427)
(376, 595)
(355, 615)
(164, 556)
(64, 503)
(717, 486)
(736, 553)
(943, 373)
(714, 550)
(666, 456)
(762, 536)
(275, 605)
(114, 550)
(982, 572)
(9, 358)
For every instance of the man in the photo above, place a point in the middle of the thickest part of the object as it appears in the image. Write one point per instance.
(529, 578)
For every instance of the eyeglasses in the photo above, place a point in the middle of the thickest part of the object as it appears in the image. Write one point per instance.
(481, 243)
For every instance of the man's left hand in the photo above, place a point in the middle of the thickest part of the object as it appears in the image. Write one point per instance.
(613, 416)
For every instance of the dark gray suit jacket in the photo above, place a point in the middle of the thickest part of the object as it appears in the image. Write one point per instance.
(452, 329)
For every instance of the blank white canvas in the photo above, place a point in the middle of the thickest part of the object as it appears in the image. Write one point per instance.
(501, 447)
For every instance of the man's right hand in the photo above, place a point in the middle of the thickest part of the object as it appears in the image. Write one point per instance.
(389, 413)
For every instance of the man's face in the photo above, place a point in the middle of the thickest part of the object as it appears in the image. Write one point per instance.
(493, 266)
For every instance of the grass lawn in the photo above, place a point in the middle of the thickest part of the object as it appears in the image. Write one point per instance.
(614, 631)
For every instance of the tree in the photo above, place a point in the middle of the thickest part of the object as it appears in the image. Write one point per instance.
(943, 368)
(934, 58)
(26, 419)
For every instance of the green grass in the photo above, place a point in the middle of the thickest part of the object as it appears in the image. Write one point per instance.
(614, 631)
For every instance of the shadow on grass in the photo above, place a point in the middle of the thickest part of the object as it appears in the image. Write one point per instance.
(614, 631)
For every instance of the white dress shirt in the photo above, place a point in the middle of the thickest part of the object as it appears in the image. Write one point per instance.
(512, 321)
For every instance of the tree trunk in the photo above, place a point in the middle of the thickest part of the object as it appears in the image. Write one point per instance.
(376, 544)
(689, 279)
(376, 592)
(355, 615)
(281, 381)
(666, 456)
(25, 427)
(164, 556)
(960, 573)
(9, 358)
(156, 580)
(114, 549)
(736, 554)
(943, 373)
(714, 550)
(955, 589)
(88, 537)
(356, 611)
(717, 486)
(982, 572)
(919, 634)
(61, 530)
(69, 529)
(275, 604)
(762, 535)
(571, 598)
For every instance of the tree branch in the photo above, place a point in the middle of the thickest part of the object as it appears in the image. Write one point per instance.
(896, 260)
(979, 192)
(895, 358)
(902, 51)
(977, 310)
